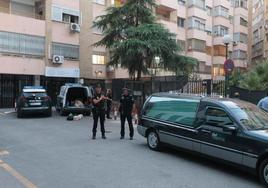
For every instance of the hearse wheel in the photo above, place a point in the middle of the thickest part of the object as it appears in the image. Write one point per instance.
(263, 172)
(153, 141)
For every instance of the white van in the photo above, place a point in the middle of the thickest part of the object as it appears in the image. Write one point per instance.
(74, 98)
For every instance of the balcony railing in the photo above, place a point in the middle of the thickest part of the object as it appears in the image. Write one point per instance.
(35, 10)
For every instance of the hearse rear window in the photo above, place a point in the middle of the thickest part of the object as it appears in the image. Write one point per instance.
(182, 111)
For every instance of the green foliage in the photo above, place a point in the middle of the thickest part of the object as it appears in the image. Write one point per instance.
(182, 65)
(235, 78)
(135, 39)
(254, 80)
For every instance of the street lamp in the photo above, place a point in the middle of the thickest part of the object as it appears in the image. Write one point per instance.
(152, 70)
(227, 40)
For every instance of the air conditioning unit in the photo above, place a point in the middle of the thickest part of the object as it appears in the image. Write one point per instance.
(57, 59)
(75, 27)
(235, 43)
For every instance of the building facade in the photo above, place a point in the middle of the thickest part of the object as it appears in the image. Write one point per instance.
(259, 29)
(50, 42)
(200, 26)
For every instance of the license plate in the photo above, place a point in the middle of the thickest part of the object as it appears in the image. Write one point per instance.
(35, 104)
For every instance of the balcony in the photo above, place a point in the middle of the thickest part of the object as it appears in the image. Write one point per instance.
(30, 8)
(23, 25)
(166, 13)
(220, 20)
(171, 26)
(196, 34)
(169, 4)
(197, 12)
(200, 56)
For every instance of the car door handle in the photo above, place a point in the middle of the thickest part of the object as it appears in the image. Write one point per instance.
(206, 131)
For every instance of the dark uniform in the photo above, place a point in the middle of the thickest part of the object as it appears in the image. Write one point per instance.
(126, 105)
(98, 113)
(109, 104)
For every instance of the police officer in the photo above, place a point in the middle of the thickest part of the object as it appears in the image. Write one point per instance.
(98, 110)
(125, 109)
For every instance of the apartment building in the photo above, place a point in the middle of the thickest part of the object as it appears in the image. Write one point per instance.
(200, 26)
(259, 29)
(49, 42)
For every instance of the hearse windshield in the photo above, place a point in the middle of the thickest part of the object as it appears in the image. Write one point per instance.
(250, 116)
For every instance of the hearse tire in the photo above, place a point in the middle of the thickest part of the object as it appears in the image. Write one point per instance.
(153, 140)
(263, 172)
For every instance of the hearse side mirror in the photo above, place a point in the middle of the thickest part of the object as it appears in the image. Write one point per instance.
(230, 128)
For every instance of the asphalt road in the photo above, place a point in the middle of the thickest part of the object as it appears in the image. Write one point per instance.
(55, 153)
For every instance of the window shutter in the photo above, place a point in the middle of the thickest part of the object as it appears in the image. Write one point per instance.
(56, 13)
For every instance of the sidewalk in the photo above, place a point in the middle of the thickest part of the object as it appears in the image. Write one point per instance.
(7, 110)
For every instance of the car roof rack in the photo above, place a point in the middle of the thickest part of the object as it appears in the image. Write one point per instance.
(72, 84)
(33, 87)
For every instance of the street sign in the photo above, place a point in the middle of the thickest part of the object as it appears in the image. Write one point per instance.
(228, 66)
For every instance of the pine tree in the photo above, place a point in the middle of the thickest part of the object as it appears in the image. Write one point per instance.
(134, 38)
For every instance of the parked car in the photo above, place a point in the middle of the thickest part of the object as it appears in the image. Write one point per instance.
(263, 104)
(74, 98)
(229, 130)
(32, 100)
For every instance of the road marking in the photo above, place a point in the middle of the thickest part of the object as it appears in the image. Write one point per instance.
(3, 152)
(17, 175)
(9, 112)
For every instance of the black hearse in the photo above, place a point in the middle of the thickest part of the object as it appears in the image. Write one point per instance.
(227, 129)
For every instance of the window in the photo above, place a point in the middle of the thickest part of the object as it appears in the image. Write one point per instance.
(241, 37)
(22, 44)
(181, 44)
(67, 50)
(209, 11)
(243, 22)
(220, 30)
(239, 54)
(239, 3)
(180, 22)
(182, 111)
(221, 11)
(196, 23)
(181, 2)
(61, 14)
(256, 36)
(197, 3)
(196, 45)
(69, 18)
(22, 9)
(257, 49)
(96, 30)
(218, 71)
(98, 58)
(101, 2)
(217, 117)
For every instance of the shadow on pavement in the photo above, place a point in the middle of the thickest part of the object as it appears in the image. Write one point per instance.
(208, 163)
